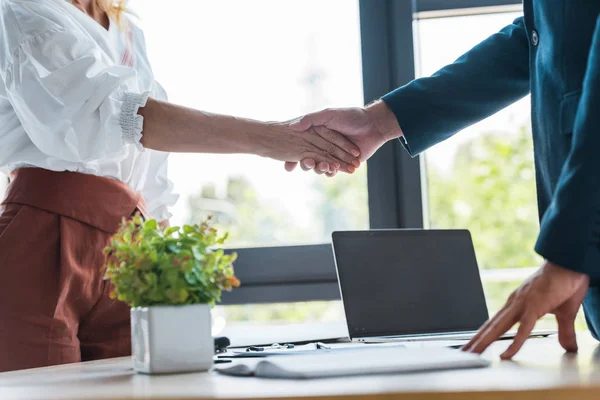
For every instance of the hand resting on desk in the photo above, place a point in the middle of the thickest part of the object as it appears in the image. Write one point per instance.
(551, 290)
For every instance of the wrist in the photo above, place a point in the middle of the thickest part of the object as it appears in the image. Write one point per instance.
(246, 136)
(553, 268)
(385, 120)
(262, 139)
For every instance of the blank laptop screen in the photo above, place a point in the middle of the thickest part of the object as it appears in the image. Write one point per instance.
(404, 282)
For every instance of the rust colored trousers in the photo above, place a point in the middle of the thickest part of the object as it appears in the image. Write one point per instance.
(54, 303)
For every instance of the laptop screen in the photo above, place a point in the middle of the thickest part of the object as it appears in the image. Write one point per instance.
(405, 282)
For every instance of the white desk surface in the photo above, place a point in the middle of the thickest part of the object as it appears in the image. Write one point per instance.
(541, 371)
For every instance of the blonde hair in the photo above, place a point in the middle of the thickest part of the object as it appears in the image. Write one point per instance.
(113, 8)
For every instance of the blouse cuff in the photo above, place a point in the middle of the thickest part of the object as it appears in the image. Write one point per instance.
(131, 122)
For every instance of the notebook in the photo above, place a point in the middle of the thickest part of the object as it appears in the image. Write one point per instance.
(363, 361)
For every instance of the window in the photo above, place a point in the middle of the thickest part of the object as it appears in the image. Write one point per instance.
(277, 60)
(483, 178)
(267, 60)
(253, 59)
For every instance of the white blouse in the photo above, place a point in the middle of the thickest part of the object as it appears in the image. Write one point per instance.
(69, 96)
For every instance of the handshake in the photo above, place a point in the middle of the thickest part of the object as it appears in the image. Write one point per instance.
(335, 140)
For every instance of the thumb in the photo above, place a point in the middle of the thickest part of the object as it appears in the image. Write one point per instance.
(310, 120)
(566, 331)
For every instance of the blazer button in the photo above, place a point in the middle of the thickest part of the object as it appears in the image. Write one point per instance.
(535, 39)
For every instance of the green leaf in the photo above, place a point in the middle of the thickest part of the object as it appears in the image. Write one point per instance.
(191, 279)
(173, 248)
(171, 230)
(172, 276)
(136, 220)
(223, 238)
(151, 225)
(197, 252)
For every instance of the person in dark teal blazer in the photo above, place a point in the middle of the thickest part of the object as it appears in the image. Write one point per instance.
(552, 52)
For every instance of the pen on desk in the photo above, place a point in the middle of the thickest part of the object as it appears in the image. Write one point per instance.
(271, 347)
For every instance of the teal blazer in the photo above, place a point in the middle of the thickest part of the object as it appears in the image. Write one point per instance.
(552, 52)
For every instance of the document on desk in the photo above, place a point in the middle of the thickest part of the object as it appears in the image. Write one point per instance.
(363, 361)
(309, 348)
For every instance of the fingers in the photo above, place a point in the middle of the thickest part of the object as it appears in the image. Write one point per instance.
(525, 327)
(314, 119)
(528, 303)
(329, 146)
(492, 330)
(323, 158)
(332, 153)
(469, 346)
(290, 166)
(339, 158)
(307, 164)
(320, 169)
(566, 332)
(340, 141)
(475, 339)
(323, 168)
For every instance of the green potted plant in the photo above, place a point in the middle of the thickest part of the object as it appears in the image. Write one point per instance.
(170, 278)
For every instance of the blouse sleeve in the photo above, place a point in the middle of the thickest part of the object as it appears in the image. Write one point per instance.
(71, 102)
(158, 190)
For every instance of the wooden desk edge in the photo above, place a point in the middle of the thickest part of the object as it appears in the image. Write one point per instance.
(563, 393)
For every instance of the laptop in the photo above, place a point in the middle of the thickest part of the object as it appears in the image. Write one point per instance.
(410, 284)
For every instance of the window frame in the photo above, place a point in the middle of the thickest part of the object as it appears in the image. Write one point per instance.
(447, 5)
(395, 180)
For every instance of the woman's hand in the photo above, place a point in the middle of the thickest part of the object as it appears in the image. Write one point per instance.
(330, 149)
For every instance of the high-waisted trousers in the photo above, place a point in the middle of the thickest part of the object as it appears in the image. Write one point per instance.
(54, 303)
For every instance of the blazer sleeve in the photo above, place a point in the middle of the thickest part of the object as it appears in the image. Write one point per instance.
(570, 228)
(489, 77)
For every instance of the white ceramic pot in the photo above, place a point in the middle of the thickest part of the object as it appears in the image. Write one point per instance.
(171, 339)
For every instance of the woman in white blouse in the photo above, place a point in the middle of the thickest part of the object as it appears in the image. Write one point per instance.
(84, 133)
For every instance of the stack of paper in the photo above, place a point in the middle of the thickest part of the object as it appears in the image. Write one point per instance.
(360, 361)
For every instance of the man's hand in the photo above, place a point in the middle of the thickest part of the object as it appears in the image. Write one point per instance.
(369, 128)
(552, 289)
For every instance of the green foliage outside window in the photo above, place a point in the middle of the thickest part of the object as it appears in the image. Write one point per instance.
(490, 190)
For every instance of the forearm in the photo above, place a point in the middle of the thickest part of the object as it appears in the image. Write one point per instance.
(172, 128)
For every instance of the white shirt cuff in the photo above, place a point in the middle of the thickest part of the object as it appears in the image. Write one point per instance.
(131, 122)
